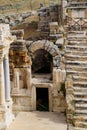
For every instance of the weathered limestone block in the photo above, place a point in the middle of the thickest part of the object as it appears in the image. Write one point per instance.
(55, 76)
(28, 78)
(55, 91)
(59, 103)
(23, 105)
(56, 51)
(52, 50)
(5, 35)
(49, 48)
(62, 75)
(19, 33)
(56, 61)
(59, 75)
(22, 79)
(54, 28)
(37, 45)
(47, 45)
(70, 99)
(19, 54)
(16, 81)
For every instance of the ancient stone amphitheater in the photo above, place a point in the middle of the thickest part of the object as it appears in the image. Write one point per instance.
(46, 73)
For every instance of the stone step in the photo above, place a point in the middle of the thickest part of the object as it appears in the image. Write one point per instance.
(81, 43)
(81, 124)
(81, 111)
(76, 38)
(76, 73)
(80, 96)
(79, 128)
(79, 99)
(76, 62)
(75, 57)
(80, 93)
(79, 83)
(75, 52)
(76, 67)
(81, 78)
(83, 105)
(83, 50)
(81, 117)
(80, 89)
(76, 47)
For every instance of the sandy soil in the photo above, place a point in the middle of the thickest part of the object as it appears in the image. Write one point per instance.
(39, 121)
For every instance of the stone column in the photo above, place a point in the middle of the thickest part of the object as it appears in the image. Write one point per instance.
(7, 78)
(28, 77)
(6, 115)
(16, 82)
(16, 79)
(2, 85)
(34, 98)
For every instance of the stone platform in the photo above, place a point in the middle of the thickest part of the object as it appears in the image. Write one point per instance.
(39, 121)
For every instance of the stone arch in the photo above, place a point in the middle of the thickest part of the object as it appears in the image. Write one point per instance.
(49, 47)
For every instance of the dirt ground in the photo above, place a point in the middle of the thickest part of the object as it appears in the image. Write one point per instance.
(39, 121)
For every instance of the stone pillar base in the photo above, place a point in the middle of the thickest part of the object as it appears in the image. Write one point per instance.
(6, 116)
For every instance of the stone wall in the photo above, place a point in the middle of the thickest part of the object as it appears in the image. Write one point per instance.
(47, 15)
(23, 86)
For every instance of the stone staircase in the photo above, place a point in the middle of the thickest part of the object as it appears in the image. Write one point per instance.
(76, 66)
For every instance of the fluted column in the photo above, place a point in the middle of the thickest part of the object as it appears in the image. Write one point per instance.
(2, 85)
(7, 78)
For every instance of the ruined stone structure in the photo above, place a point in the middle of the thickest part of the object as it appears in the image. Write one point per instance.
(26, 60)
(47, 15)
(6, 115)
(77, 15)
(76, 79)
(48, 74)
(75, 60)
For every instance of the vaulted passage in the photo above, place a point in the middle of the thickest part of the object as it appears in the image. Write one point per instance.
(42, 99)
(41, 62)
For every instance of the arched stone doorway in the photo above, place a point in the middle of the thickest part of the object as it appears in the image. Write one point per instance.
(41, 62)
(47, 46)
(45, 59)
(42, 66)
